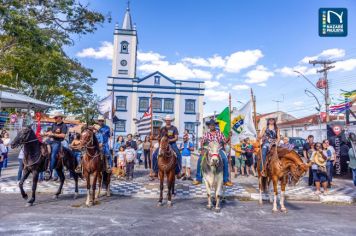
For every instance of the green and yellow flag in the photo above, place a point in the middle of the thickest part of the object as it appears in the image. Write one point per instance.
(224, 121)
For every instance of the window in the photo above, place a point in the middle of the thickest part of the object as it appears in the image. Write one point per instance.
(120, 126)
(190, 106)
(124, 47)
(123, 72)
(190, 126)
(157, 104)
(168, 105)
(143, 104)
(157, 80)
(121, 103)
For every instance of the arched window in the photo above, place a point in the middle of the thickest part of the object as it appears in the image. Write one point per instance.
(124, 47)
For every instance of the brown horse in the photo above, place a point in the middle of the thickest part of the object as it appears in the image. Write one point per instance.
(93, 166)
(166, 167)
(281, 162)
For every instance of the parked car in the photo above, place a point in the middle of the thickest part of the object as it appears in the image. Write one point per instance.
(298, 144)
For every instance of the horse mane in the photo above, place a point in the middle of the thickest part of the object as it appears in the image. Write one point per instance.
(286, 153)
(95, 140)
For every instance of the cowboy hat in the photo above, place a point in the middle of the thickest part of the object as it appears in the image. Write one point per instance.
(100, 117)
(319, 160)
(58, 114)
(168, 117)
(211, 122)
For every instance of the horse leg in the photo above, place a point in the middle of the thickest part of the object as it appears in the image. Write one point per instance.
(76, 184)
(281, 200)
(94, 185)
(170, 183)
(208, 193)
(107, 180)
(161, 178)
(87, 177)
(25, 175)
(275, 189)
(218, 193)
(62, 178)
(100, 182)
(260, 188)
(34, 187)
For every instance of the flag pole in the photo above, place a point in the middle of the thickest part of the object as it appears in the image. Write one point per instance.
(253, 99)
(112, 120)
(229, 157)
(151, 135)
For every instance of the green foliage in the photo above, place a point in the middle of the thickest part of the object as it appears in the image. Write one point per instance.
(32, 37)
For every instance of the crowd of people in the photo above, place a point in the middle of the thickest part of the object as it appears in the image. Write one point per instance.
(125, 153)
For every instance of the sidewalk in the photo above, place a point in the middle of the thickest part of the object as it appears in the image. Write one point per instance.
(245, 188)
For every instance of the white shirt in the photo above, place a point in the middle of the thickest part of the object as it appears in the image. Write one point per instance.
(331, 148)
(130, 154)
(2, 148)
(121, 156)
(21, 154)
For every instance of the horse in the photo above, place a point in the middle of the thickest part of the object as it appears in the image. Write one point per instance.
(167, 160)
(212, 169)
(36, 160)
(281, 162)
(93, 164)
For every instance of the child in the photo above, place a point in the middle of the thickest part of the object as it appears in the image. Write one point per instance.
(130, 155)
(3, 150)
(75, 146)
(247, 150)
(139, 151)
(186, 148)
(121, 161)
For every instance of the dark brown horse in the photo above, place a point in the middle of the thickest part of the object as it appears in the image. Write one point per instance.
(166, 167)
(281, 162)
(93, 166)
(36, 160)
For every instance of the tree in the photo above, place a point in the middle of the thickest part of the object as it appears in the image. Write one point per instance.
(32, 58)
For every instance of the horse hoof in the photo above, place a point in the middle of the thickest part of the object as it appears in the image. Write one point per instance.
(284, 210)
(55, 197)
(29, 204)
(108, 194)
(159, 204)
(217, 210)
(208, 207)
(274, 210)
(169, 204)
(75, 196)
(25, 196)
(223, 200)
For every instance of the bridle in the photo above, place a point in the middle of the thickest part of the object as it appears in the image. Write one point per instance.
(90, 142)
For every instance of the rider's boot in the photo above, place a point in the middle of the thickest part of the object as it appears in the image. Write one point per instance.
(196, 182)
(78, 170)
(229, 184)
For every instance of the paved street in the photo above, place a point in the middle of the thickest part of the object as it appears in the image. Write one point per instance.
(130, 216)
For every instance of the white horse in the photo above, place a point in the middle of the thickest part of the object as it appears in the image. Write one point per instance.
(212, 169)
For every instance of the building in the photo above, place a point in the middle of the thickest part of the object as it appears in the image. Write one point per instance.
(182, 99)
(279, 115)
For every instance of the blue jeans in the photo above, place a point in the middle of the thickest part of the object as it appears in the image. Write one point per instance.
(55, 147)
(5, 160)
(329, 170)
(19, 172)
(107, 153)
(199, 176)
(78, 156)
(354, 176)
(179, 158)
(265, 150)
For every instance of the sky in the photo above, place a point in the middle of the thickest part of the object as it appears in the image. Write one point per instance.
(232, 45)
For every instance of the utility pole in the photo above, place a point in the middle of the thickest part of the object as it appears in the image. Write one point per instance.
(253, 98)
(277, 101)
(326, 67)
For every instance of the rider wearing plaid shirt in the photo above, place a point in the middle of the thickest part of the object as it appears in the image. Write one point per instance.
(211, 136)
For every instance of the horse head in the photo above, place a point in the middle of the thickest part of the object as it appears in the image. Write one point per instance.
(25, 135)
(213, 157)
(164, 143)
(297, 167)
(87, 138)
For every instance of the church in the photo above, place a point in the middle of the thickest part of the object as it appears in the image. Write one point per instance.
(181, 99)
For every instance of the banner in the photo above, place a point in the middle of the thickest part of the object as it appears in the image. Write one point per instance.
(105, 106)
(242, 124)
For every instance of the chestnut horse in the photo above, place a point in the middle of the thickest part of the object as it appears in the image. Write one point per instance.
(281, 162)
(166, 167)
(36, 160)
(93, 166)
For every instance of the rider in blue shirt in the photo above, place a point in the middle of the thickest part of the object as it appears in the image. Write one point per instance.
(105, 131)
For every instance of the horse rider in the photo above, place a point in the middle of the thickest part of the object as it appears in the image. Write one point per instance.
(56, 137)
(270, 136)
(214, 135)
(172, 132)
(102, 133)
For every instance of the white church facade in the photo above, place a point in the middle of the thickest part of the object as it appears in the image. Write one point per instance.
(181, 99)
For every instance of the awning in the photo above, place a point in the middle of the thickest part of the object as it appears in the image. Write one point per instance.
(17, 100)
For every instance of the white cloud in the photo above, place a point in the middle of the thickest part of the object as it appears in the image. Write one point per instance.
(346, 65)
(298, 103)
(219, 76)
(331, 53)
(262, 84)
(258, 75)
(149, 56)
(289, 71)
(216, 95)
(105, 51)
(212, 62)
(197, 61)
(211, 84)
(240, 87)
(217, 62)
(242, 59)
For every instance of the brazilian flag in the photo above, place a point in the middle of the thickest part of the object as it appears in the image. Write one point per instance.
(224, 121)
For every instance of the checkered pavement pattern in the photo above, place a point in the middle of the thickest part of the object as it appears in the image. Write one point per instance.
(145, 189)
